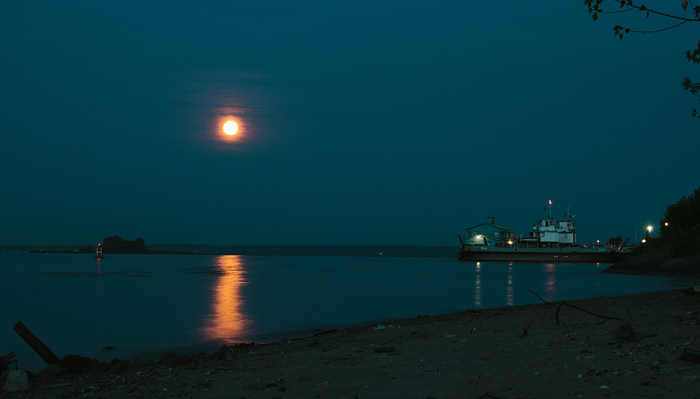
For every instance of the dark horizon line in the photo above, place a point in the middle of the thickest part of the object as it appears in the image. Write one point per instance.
(241, 245)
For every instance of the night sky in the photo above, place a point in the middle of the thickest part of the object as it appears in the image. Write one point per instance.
(388, 123)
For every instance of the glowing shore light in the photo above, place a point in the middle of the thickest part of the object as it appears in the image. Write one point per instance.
(650, 228)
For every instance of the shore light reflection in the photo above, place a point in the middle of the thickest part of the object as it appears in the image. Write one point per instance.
(477, 286)
(550, 289)
(226, 322)
(509, 290)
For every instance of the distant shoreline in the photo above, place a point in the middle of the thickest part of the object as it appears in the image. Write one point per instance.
(449, 252)
(68, 251)
(661, 263)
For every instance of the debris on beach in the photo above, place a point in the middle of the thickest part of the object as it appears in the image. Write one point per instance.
(39, 347)
(691, 355)
(6, 361)
(624, 332)
(383, 327)
(17, 381)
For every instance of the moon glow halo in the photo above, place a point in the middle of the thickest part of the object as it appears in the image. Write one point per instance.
(230, 128)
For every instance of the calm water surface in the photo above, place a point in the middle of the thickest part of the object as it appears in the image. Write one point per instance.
(143, 305)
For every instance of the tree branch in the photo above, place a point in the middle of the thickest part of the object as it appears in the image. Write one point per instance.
(658, 30)
(562, 303)
(595, 9)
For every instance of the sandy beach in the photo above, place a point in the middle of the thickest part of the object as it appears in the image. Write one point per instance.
(509, 352)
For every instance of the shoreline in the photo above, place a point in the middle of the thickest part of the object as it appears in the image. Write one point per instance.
(505, 352)
(661, 263)
(427, 251)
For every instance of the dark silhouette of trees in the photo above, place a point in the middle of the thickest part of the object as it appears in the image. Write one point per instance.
(115, 245)
(680, 226)
(692, 14)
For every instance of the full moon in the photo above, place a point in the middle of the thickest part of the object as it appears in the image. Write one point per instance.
(230, 128)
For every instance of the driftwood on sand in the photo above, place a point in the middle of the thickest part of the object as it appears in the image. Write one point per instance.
(39, 347)
(6, 361)
(559, 305)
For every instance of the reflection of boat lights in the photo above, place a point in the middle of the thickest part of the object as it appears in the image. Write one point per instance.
(510, 289)
(477, 286)
(550, 285)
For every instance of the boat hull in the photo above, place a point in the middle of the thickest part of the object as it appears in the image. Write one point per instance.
(500, 254)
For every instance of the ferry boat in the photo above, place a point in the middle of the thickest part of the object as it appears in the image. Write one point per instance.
(550, 240)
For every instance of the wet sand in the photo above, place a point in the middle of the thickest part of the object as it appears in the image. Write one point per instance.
(509, 352)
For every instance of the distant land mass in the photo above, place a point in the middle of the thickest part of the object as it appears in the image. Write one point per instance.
(111, 245)
(661, 262)
(255, 250)
(116, 245)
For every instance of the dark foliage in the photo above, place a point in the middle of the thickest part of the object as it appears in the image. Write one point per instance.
(115, 245)
(692, 14)
(680, 226)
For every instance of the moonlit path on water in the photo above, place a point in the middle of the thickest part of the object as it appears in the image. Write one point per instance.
(144, 305)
